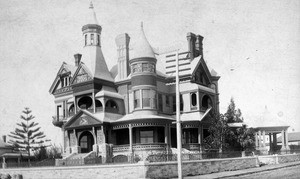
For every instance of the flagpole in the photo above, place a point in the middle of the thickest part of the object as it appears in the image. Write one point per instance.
(178, 123)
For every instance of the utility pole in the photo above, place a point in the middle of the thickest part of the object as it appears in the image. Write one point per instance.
(178, 122)
(175, 48)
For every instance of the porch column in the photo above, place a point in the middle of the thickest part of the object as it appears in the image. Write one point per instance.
(170, 137)
(256, 140)
(130, 137)
(274, 141)
(75, 105)
(63, 139)
(283, 140)
(4, 165)
(199, 137)
(166, 134)
(264, 139)
(66, 109)
(94, 103)
(270, 142)
(259, 142)
(286, 140)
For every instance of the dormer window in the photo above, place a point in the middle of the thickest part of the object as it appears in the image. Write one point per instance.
(65, 81)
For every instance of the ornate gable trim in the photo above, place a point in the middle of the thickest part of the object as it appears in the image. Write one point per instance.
(202, 64)
(63, 69)
(82, 119)
(82, 74)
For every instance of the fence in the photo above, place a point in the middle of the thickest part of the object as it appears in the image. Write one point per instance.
(123, 159)
(43, 163)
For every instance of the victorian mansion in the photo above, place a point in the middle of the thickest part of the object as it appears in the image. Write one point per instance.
(131, 107)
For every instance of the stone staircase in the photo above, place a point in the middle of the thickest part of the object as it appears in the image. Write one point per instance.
(79, 159)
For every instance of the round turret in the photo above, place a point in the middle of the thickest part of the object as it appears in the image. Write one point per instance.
(143, 75)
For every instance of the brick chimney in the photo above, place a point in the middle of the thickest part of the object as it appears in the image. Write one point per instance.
(122, 42)
(77, 57)
(191, 38)
(199, 45)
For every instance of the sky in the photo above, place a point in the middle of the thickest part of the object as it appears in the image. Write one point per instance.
(252, 44)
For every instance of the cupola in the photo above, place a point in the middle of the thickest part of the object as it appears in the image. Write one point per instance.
(91, 30)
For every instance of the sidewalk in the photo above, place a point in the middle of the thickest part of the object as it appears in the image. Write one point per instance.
(244, 172)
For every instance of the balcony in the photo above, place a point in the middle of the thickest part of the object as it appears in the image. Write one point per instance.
(58, 120)
(140, 147)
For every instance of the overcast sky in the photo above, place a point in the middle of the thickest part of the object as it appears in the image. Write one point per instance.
(252, 44)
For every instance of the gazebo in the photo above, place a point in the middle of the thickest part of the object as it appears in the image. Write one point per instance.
(267, 126)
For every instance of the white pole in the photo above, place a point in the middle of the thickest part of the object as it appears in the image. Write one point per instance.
(178, 123)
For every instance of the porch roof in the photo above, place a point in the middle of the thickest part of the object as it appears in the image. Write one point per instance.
(143, 116)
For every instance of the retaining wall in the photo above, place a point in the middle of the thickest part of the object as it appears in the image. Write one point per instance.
(147, 170)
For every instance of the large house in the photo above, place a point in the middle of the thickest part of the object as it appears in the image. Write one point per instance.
(130, 109)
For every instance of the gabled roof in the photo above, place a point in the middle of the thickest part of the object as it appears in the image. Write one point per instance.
(81, 69)
(82, 118)
(86, 118)
(63, 69)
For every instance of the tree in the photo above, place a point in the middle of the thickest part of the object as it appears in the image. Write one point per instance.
(219, 131)
(233, 115)
(246, 138)
(27, 136)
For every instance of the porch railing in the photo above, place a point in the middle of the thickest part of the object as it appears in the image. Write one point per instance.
(137, 147)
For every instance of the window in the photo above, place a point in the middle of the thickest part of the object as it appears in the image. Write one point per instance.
(98, 39)
(167, 101)
(146, 137)
(146, 97)
(153, 97)
(134, 68)
(190, 135)
(174, 103)
(194, 100)
(160, 104)
(85, 39)
(145, 67)
(137, 99)
(206, 102)
(181, 103)
(92, 39)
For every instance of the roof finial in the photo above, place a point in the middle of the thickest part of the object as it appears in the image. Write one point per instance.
(91, 5)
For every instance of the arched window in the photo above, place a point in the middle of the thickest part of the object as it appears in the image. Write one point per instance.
(111, 106)
(71, 110)
(99, 106)
(206, 102)
(86, 102)
(193, 101)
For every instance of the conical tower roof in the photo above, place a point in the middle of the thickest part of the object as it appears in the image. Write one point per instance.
(91, 18)
(142, 48)
(92, 55)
